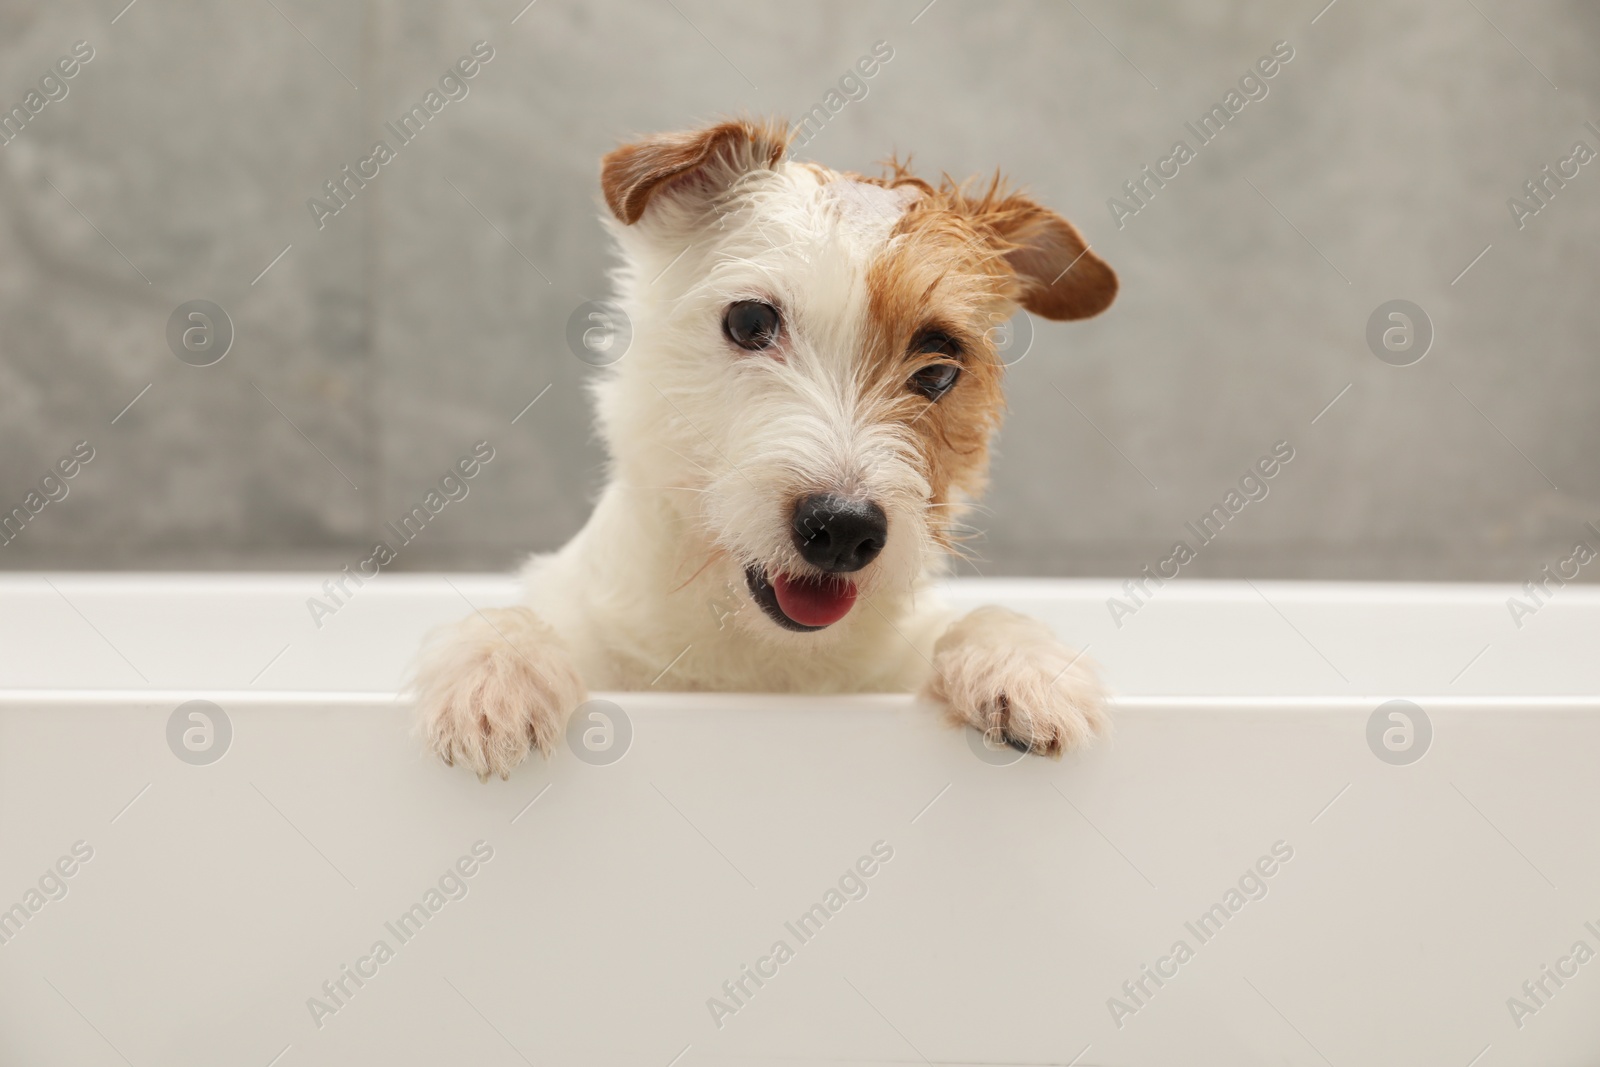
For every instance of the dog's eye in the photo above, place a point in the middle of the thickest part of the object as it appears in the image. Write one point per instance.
(752, 324)
(935, 342)
(935, 381)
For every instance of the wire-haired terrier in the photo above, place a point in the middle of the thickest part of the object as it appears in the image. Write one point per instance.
(803, 415)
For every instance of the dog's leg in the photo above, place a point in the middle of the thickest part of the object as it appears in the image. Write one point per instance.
(493, 687)
(1007, 675)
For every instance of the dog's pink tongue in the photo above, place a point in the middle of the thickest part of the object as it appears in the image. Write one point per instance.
(814, 601)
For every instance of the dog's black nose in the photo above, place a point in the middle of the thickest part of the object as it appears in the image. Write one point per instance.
(838, 534)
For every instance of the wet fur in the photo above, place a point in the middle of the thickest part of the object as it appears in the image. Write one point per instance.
(711, 445)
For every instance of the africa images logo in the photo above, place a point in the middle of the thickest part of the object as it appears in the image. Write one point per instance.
(1141, 189)
(852, 885)
(1251, 886)
(450, 489)
(347, 184)
(452, 885)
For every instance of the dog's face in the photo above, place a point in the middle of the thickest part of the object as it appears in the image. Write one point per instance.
(813, 380)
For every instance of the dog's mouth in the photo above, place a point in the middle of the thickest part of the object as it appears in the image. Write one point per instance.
(805, 604)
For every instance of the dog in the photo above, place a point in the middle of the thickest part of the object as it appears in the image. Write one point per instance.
(801, 420)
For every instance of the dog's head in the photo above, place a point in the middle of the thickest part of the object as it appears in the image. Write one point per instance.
(813, 380)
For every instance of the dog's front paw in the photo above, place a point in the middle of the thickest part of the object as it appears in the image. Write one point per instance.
(493, 687)
(1007, 676)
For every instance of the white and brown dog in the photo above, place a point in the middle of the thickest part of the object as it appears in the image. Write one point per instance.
(803, 415)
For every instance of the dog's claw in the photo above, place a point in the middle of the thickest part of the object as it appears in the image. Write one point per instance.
(493, 688)
(1007, 674)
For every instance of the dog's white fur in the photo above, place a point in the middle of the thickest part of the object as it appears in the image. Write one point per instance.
(710, 447)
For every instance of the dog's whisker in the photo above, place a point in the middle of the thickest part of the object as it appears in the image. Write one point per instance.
(964, 558)
(687, 459)
(747, 261)
(712, 558)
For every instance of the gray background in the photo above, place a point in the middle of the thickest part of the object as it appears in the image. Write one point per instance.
(429, 313)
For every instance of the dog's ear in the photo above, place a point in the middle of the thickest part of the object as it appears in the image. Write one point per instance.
(1062, 279)
(702, 162)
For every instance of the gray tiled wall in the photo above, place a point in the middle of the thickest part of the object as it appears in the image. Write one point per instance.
(427, 314)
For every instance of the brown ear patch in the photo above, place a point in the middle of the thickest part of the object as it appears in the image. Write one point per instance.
(713, 157)
(1062, 279)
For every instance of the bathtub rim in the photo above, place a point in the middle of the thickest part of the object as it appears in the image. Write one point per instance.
(679, 701)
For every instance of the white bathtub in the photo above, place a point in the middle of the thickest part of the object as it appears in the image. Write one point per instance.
(620, 897)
